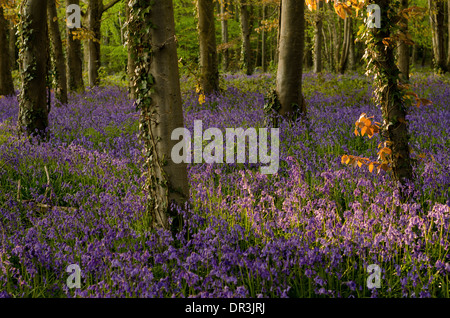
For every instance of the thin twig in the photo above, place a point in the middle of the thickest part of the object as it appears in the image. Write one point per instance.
(48, 184)
(18, 191)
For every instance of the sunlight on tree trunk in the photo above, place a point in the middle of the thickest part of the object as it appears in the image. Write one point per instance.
(290, 63)
(395, 129)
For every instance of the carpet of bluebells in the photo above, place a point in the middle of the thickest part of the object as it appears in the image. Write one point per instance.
(311, 230)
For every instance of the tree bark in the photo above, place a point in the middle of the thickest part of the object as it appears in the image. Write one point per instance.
(436, 10)
(208, 49)
(224, 25)
(12, 46)
(33, 112)
(94, 17)
(448, 46)
(162, 113)
(289, 75)
(351, 52)
(345, 44)
(263, 41)
(6, 81)
(130, 61)
(318, 37)
(246, 45)
(403, 49)
(74, 58)
(57, 52)
(308, 60)
(394, 129)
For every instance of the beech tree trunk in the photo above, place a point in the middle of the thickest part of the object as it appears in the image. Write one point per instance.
(351, 53)
(208, 51)
(246, 45)
(33, 112)
(394, 129)
(345, 44)
(74, 58)
(437, 28)
(318, 37)
(94, 17)
(57, 52)
(224, 25)
(289, 75)
(403, 50)
(162, 113)
(6, 81)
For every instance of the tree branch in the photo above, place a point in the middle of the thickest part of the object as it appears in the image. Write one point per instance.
(110, 5)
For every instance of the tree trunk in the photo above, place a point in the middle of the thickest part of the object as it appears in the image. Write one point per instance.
(208, 50)
(403, 50)
(94, 17)
(130, 61)
(57, 52)
(12, 46)
(289, 75)
(389, 98)
(326, 49)
(308, 60)
(448, 46)
(263, 41)
(158, 89)
(6, 81)
(345, 44)
(351, 52)
(414, 55)
(318, 38)
(437, 30)
(74, 58)
(224, 25)
(33, 112)
(246, 45)
(331, 49)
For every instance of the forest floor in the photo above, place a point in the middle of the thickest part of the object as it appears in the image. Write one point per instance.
(311, 230)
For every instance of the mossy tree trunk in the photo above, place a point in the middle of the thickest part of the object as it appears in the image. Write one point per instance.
(33, 112)
(157, 87)
(389, 96)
